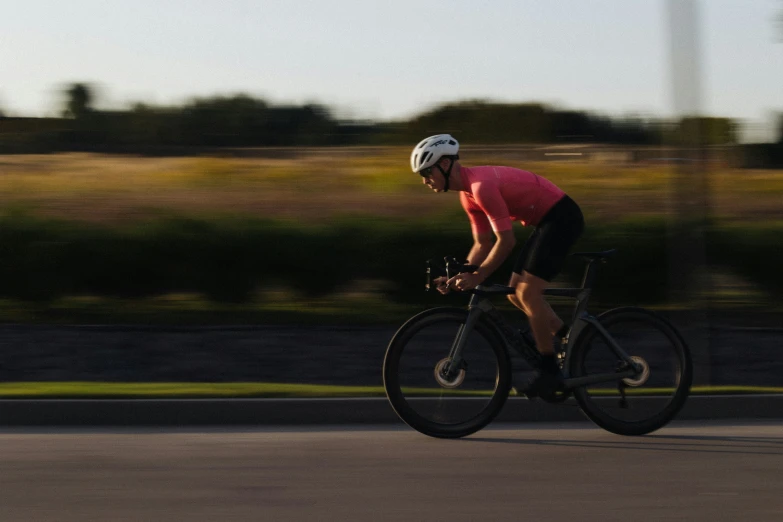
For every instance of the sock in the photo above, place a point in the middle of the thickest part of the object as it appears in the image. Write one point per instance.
(548, 363)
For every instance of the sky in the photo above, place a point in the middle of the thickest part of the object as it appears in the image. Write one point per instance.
(381, 60)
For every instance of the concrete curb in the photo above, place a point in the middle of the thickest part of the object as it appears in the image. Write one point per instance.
(271, 412)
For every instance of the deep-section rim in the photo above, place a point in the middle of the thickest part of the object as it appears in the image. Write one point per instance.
(595, 413)
(397, 398)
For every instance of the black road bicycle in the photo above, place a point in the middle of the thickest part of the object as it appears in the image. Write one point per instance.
(448, 371)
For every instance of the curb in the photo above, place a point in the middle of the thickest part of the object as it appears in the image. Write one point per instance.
(281, 412)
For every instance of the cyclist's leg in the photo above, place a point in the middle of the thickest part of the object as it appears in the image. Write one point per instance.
(529, 297)
(544, 323)
(540, 261)
(520, 276)
(516, 275)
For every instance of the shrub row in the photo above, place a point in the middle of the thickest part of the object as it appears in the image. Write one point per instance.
(229, 260)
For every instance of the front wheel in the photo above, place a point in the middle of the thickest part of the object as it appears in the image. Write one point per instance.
(647, 400)
(439, 403)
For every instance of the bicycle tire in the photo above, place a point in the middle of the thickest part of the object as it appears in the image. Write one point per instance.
(672, 397)
(406, 406)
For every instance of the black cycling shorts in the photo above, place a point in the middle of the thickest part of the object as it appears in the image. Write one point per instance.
(547, 247)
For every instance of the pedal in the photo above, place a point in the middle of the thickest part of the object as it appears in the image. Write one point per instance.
(556, 396)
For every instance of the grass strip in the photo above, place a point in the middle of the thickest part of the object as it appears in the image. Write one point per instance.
(112, 390)
(168, 390)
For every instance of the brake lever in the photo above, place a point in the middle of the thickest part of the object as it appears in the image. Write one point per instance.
(454, 267)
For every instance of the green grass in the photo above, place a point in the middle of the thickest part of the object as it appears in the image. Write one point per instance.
(118, 390)
(105, 390)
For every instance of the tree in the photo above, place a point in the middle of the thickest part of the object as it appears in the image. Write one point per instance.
(780, 129)
(79, 99)
(697, 130)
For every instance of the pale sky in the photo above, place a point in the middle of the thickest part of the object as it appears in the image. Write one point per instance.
(391, 59)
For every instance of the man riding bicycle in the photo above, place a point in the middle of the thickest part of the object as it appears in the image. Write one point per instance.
(494, 197)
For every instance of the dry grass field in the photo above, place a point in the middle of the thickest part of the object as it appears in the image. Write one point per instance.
(315, 185)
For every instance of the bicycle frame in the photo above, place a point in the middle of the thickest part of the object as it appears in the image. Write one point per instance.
(480, 304)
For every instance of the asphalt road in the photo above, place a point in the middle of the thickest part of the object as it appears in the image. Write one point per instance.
(570, 472)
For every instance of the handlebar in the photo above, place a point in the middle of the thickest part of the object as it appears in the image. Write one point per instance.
(449, 268)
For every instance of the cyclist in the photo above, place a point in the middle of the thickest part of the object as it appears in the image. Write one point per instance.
(494, 197)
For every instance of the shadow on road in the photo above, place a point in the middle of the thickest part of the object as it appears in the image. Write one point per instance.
(750, 445)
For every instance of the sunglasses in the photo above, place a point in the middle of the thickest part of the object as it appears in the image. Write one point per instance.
(426, 173)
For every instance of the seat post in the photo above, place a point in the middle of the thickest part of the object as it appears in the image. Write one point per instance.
(590, 274)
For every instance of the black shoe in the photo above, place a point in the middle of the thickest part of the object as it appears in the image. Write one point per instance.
(545, 383)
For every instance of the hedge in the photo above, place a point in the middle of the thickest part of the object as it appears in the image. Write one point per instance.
(230, 259)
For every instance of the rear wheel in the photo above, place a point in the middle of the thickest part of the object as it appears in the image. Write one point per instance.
(647, 400)
(435, 402)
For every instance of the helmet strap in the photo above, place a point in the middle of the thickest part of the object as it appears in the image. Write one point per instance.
(446, 173)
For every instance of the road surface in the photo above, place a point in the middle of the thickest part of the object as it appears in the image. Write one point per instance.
(572, 472)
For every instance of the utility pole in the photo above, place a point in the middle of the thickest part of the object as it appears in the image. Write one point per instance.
(689, 283)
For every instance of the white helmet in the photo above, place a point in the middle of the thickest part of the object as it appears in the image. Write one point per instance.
(430, 150)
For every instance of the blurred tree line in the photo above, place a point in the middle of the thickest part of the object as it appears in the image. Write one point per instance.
(244, 121)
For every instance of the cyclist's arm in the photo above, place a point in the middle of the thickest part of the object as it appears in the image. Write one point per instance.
(483, 238)
(490, 201)
(482, 246)
(497, 254)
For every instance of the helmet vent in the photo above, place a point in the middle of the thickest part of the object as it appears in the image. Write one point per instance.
(452, 142)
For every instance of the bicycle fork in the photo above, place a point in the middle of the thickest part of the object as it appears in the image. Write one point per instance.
(476, 308)
(456, 362)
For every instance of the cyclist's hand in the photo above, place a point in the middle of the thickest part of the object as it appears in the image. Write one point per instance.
(440, 285)
(465, 281)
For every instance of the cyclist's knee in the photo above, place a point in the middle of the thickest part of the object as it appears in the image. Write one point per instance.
(529, 295)
(514, 300)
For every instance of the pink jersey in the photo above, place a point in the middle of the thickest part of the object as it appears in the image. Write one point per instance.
(496, 196)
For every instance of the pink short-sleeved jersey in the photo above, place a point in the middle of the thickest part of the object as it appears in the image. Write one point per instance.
(495, 196)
